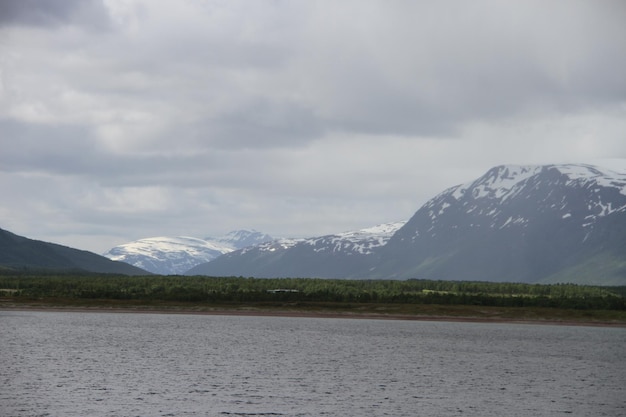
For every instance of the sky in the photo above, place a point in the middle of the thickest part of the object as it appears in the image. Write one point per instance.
(127, 119)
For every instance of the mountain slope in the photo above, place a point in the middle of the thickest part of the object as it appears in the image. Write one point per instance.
(332, 256)
(528, 224)
(550, 223)
(18, 252)
(175, 255)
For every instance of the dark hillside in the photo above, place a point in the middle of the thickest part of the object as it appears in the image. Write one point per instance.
(18, 252)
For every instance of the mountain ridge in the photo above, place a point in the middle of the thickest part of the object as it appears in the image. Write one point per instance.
(526, 223)
(319, 254)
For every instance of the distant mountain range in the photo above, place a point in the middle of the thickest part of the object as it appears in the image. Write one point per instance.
(534, 224)
(550, 223)
(21, 253)
(176, 255)
(331, 256)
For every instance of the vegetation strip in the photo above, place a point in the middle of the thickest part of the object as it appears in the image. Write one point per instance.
(387, 299)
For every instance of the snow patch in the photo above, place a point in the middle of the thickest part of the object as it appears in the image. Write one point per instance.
(362, 241)
(589, 174)
(167, 255)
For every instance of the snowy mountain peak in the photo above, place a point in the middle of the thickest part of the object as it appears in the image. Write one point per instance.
(360, 241)
(363, 241)
(239, 239)
(506, 181)
(589, 174)
(498, 182)
(381, 230)
(572, 192)
(274, 245)
(517, 223)
(148, 246)
(167, 255)
(176, 255)
(319, 254)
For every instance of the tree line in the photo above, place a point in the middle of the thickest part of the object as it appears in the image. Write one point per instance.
(249, 290)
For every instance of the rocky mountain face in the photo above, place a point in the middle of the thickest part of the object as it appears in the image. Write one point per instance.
(176, 255)
(18, 252)
(551, 223)
(331, 256)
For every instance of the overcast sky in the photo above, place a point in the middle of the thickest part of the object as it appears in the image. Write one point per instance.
(125, 119)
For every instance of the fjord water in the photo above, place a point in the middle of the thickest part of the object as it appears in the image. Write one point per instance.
(114, 364)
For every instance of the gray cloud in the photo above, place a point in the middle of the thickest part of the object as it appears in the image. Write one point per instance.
(52, 13)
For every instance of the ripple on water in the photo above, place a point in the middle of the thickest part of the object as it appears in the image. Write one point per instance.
(75, 364)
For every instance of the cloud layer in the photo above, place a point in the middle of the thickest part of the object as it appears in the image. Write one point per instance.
(125, 119)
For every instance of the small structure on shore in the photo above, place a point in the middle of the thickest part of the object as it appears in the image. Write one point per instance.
(280, 290)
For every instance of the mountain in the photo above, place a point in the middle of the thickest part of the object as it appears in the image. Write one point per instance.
(167, 255)
(175, 255)
(239, 239)
(18, 252)
(548, 223)
(553, 223)
(331, 256)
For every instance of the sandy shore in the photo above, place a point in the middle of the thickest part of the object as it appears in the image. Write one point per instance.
(311, 314)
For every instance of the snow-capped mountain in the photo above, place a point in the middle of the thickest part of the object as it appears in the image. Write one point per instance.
(549, 223)
(175, 255)
(513, 196)
(325, 256)
(363, 242)
(239, 239)
(167, 255)
(552, 223)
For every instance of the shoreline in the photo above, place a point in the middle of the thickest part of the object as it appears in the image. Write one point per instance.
(314, 314)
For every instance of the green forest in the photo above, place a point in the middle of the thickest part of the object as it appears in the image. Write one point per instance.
(229, 290)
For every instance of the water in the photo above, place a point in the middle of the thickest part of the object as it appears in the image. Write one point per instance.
(114, 364)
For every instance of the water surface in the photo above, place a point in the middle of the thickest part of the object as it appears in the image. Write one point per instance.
(114, 364)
